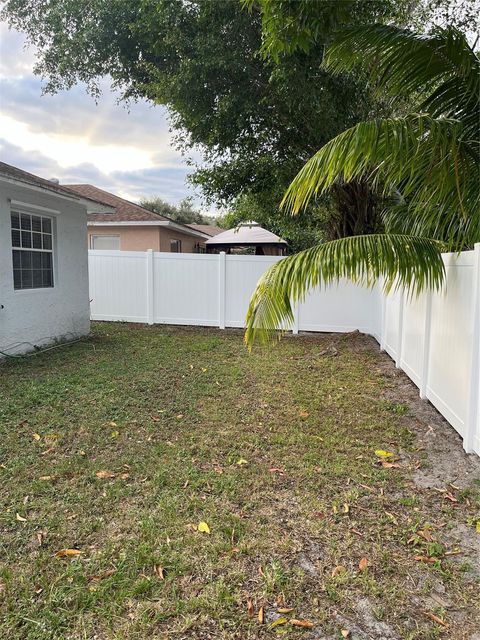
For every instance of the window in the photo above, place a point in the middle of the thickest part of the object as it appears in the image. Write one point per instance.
(175, 246)
(109, 243)
(32, 251)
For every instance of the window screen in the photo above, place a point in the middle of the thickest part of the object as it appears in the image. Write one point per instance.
(175, 246)
(32, 251)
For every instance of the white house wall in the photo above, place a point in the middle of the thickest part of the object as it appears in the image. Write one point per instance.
(38, 317)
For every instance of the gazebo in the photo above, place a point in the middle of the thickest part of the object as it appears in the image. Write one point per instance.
(247, 235)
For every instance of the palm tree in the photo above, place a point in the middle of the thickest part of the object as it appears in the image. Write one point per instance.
(425, 164)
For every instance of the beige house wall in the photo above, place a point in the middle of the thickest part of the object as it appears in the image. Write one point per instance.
(142, 238)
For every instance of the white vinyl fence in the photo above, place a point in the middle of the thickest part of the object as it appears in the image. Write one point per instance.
(434, 338)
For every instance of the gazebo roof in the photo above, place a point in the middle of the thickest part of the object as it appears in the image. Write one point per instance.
(247, 233)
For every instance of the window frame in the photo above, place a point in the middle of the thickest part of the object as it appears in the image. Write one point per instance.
(16, 247)
(100, 235)
(178, 243)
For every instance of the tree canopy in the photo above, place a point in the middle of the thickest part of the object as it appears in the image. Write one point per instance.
(184, 212)
(255, 120)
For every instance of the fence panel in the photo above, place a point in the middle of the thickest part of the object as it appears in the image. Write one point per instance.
(185, 289)
(241, 277)
(452, 341)
(340, 308)
(413, 338)
(117, 285)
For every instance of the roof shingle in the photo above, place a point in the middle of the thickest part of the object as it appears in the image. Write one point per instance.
(125, 211)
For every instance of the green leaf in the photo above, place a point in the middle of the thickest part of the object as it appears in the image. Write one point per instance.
(400, 260)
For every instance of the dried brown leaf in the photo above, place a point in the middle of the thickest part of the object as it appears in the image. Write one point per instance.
(306, 624)
(68, 553)
(105, 474)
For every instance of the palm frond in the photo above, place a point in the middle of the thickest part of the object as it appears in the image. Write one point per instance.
(404, 63)
(400, 260)
(426, 158)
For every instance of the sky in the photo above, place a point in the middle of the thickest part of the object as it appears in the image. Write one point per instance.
(69, 137)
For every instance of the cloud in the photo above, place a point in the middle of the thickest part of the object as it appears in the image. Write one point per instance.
(122, 148)
(168, 183)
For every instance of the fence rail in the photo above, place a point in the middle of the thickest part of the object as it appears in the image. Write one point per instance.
(434, 338)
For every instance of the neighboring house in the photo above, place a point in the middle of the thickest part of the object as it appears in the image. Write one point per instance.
(115, 223)
(43, 262)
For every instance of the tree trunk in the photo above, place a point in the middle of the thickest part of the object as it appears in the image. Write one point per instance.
(357, 211)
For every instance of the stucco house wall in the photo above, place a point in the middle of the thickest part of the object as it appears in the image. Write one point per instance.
(131, 238)
(35, 317)
(142, 238)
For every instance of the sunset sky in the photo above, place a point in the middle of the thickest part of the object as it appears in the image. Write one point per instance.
(70, 137)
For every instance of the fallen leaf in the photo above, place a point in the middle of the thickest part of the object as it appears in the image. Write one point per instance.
(158, 571)
(261, 615)
(67, 553)
(346, 508)
(435, 618)
(425, 559)
(383, 454)
(242, 461)
(20, 518)
(47, 451)
(203, 527)
(449, 496)
(303, 414)
(339, 569)
(101, 576)
(276, 470)
(277, 623)
(112, 424)
(124, 476)
(306, 624)
(345, 633)
(250, 609)
(363, 564)
(390, 465)
(105, 474)
(46, 478)
(114, 434)
(179, 416)
(425, 534)
(36, 436)
(38, 590)
(285, 609)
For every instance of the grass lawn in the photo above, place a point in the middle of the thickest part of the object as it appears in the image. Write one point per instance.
(119, 446)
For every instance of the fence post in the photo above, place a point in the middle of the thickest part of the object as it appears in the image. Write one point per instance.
(472, 422)
(398, 359)
(427, 330)
(150, 287)
(222, 265)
